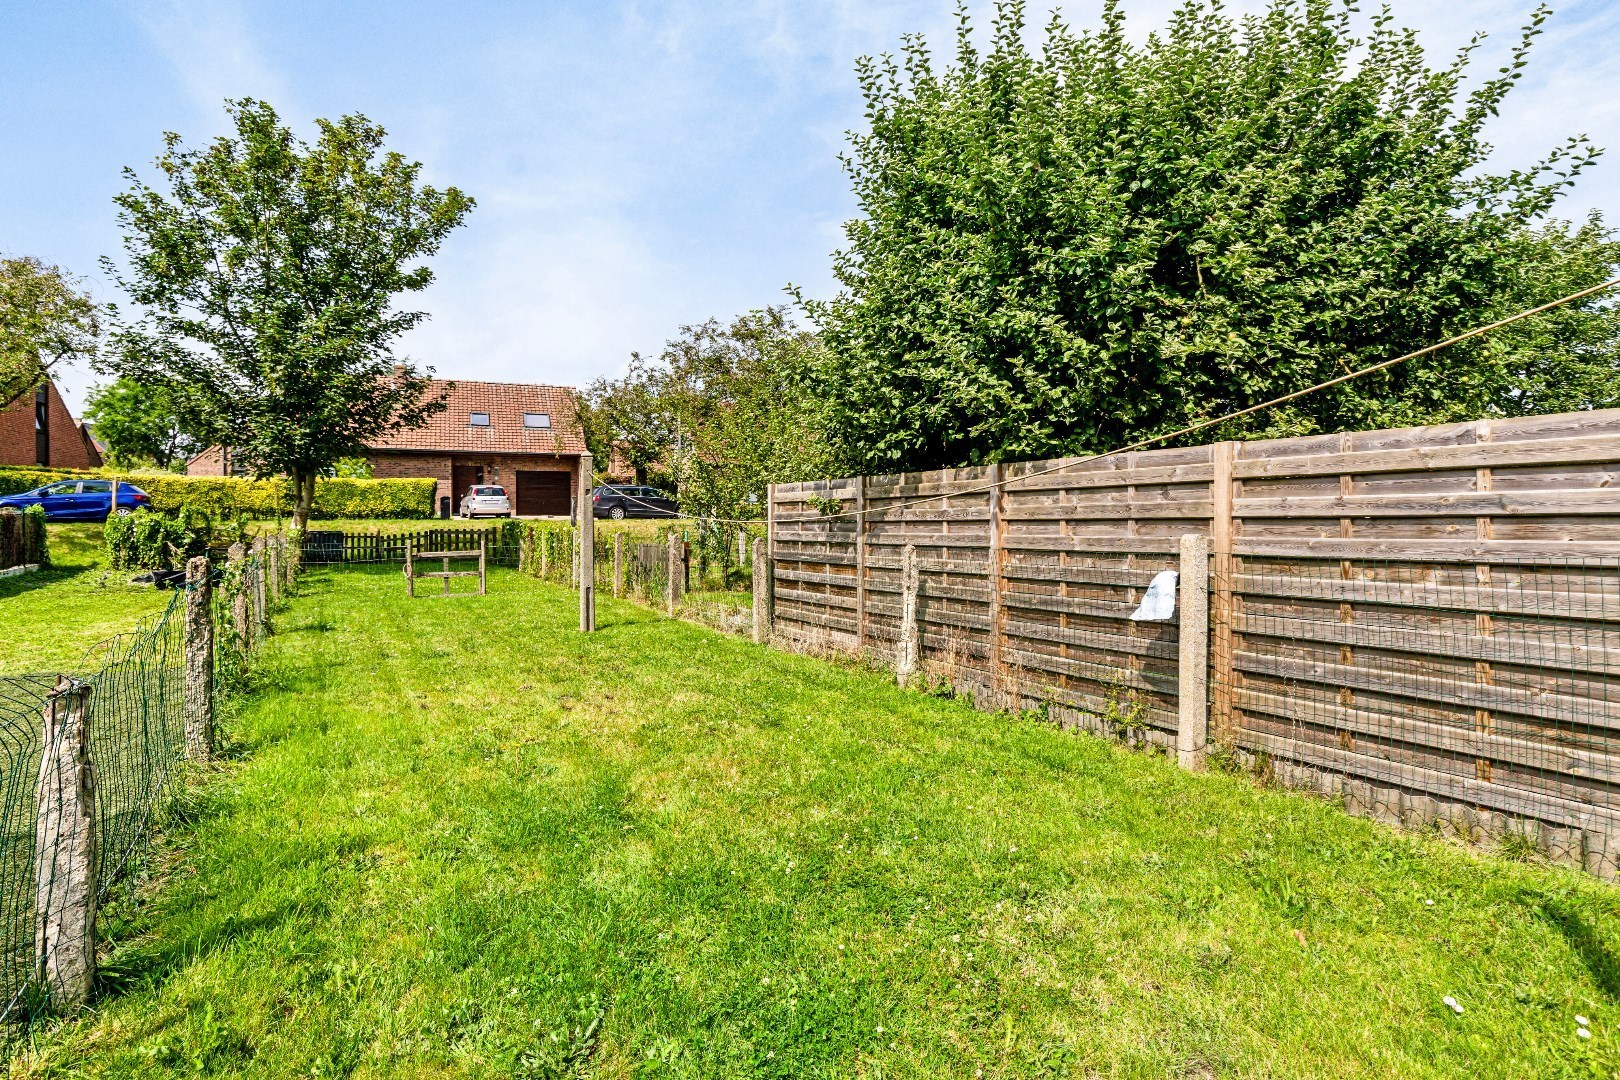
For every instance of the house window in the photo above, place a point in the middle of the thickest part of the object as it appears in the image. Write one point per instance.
(537, 419)
(479, 419)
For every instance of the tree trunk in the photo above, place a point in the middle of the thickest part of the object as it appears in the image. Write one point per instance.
(304, 489)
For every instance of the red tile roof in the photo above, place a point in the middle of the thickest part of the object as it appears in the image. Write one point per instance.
(505, 403)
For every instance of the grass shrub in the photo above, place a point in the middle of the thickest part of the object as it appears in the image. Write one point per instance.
(151, 541)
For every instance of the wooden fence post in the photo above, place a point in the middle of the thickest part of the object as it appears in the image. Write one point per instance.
(199, 699)
(1220, 532)
(410, 567)
(993, 575)
(587, 547)
(908, 649)
(618, 565)
(676, 566)
(66, 849)
(483, 552)
(764, 593)
(236, 572)
(1192, 687)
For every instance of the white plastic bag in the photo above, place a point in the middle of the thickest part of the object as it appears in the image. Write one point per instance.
(1159, 605)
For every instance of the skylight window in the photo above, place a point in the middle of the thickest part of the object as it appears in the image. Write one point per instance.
(536, 420)
(478, 419)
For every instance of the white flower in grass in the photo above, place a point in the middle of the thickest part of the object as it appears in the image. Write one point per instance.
(1583, 1033)
(1583, 1021)
(1451, 1002)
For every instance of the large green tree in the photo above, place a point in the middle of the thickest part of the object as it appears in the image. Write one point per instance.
(138, 424)
(721, 410)
(1064, 249)
(267, 276)
(46, 318)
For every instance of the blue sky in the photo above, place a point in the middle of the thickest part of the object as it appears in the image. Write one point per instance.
(637, 165)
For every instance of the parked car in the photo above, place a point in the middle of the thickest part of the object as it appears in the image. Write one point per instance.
(618, 501)
(485, 500)
(81, 500)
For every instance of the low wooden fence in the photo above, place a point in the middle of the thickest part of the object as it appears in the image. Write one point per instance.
(323, 547)
(1424, 620)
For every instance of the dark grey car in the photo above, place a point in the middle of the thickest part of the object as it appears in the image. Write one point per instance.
(619, 501)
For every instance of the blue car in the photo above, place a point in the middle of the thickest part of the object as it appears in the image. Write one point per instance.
(80, 500)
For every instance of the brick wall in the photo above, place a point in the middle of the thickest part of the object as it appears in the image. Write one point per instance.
(498, 468)
(67, 450)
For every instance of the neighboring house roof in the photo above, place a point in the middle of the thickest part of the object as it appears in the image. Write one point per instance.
(505, 404)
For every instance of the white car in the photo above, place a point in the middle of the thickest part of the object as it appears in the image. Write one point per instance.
(486, 500)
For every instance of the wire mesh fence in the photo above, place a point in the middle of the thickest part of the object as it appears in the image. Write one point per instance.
(87, 758)
(1480, 698)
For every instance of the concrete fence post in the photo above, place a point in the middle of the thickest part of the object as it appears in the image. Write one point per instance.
(261, 591)
(908, 649)
(764, 593)
(66, 853)
(236, 574)
(199, 699)
(1192, 687)
(587, 546)
(272, 576)
(677, 568)
(618, 565)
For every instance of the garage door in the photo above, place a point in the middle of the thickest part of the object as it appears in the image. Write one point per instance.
(542, 494)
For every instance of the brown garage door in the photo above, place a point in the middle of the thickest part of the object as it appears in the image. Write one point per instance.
(542, 494)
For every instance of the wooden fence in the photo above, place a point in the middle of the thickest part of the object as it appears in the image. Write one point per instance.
(1426, 619)
(332, 547)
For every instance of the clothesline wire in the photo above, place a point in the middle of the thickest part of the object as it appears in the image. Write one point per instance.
(1202, 425)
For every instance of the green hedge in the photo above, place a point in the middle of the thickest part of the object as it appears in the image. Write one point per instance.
(237, 496)
(343, 497)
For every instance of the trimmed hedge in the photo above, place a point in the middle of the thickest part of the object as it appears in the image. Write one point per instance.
(345, 497)
(237, 496)
(22, 538)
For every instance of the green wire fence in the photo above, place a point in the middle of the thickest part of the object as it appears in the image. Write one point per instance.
(132, 693)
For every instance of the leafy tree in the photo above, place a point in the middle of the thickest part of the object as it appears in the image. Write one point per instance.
(742, 421)
(1064, 250)
(45, 319)
(631, 416)
(267, 277)
(138, 424)
(721, 409)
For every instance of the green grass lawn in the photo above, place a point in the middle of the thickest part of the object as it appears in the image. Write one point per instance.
(464, 840)
(48, 619)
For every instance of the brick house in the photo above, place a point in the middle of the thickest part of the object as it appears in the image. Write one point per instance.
(523, 436)
(37, 429)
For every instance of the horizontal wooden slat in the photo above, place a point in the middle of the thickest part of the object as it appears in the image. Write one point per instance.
(815, 578)
(1600, 606)
(1085, 669)
(1091, 639)
(1560, 708)
(1446, 785)
(1078, 477)
(1466, 504)
(1017, 540)
(1559, 654)
(1108, 511)
(1592, 449)
(1497, 552)
(817, 599)
(1534, 753)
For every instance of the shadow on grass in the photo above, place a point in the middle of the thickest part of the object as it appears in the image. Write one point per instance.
(1600, 960)
(39, 579)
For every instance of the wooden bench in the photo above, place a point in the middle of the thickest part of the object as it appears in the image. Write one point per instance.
(412, 573)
